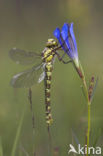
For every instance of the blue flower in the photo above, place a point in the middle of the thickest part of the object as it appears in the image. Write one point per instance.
(67, 41)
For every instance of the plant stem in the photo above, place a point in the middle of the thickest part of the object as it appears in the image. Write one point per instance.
(89, 119)
(88, 132)
(82, 76)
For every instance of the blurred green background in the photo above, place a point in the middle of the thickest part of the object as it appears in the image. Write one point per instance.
(27, 24)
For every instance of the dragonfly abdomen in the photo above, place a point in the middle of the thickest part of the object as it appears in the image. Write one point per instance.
(48, 73)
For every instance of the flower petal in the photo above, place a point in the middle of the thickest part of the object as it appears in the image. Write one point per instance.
(65, 35)
(64, 32)
(67, 40)
(57, 33)
(73, 36)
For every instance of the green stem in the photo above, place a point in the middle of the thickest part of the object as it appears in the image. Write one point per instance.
(88, 132)
(88, 105)
(82, 76)
(89, 119)
(89, 115)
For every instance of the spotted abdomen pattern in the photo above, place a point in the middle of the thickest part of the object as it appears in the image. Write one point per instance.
(48, 59)
(48, 74)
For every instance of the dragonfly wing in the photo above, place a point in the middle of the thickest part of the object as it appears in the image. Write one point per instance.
(41, 78)
(27, 78)
(24, 57)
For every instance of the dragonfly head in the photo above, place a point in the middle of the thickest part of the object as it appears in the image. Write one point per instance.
(51, 43)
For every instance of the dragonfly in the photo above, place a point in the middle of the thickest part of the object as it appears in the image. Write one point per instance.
(41, 70)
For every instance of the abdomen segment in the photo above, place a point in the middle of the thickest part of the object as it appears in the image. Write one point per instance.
(47, 81)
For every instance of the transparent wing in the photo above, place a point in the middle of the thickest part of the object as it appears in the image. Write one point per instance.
(41, 78)
(24, 57)
(27, 78)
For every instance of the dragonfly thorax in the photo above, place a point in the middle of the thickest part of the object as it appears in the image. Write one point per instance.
(48, 54)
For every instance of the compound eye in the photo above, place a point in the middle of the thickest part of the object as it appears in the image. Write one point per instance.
(51, 42)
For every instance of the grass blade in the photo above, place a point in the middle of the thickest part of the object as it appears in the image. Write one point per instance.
(76, 139)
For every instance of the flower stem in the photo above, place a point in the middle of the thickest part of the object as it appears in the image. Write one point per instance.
(89, 116)
(88, 132)
(82, 76)
(88, 105)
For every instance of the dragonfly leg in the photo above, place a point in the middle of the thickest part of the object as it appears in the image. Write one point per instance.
(31, 107)
(61, 58)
